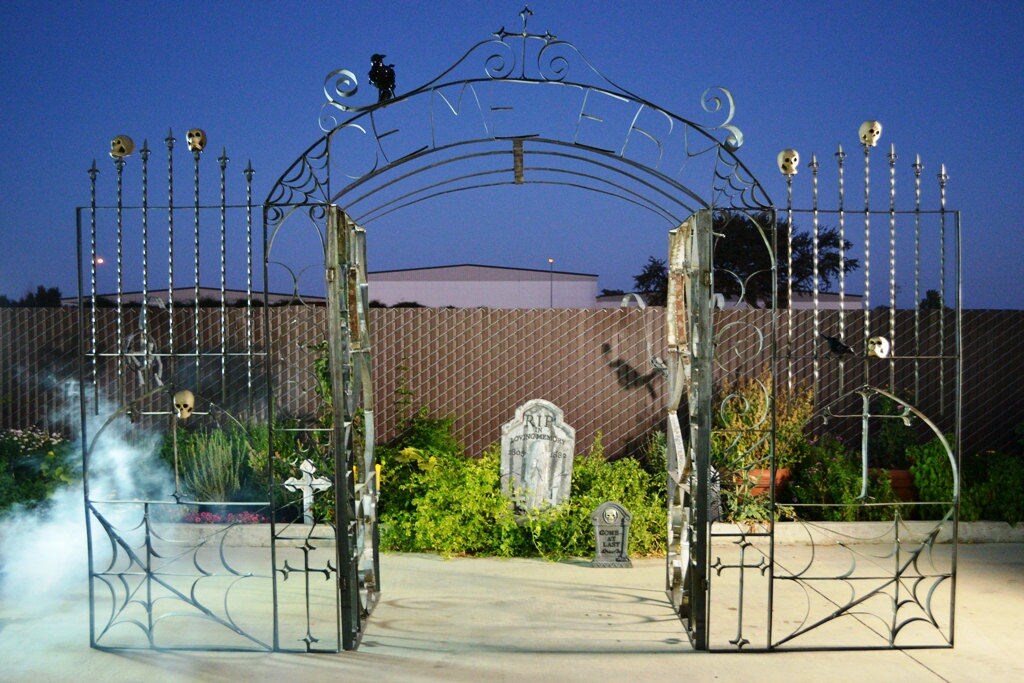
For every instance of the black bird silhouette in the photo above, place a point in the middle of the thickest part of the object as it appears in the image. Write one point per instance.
(382, 76)
(836, 345)
(628, 376)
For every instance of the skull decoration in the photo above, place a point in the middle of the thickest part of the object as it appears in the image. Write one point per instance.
(184, 404)
(122, 146)
(870, 131)
(878, 347)
(196, 139)
(789, 160)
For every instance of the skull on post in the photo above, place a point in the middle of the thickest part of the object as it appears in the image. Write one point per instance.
(878, 347)
(184, 404)
(788, 160)
(869, 133)
(121, 146)
(196, 138)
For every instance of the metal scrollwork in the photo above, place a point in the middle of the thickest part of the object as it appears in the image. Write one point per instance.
(554, 66)
(712, 101)
(501, 62)
(339, 85)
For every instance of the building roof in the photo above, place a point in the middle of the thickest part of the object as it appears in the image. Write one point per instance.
(475, 272)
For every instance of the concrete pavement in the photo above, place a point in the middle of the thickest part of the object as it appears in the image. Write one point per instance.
(532, 620)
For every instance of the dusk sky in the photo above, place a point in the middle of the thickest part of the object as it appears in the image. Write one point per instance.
(946, 79)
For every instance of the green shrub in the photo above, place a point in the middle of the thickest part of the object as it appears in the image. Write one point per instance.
(890, 437)
(830, 481)
(991, 487)
(34, 464)
(741, 429)
(223, 464)
(210, 463)
(434, 499)
(930, 467)
(741, 442)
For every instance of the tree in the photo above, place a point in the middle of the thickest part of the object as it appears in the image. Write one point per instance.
(48, 297)
(932, 301)
(743, 261)
(652, 282)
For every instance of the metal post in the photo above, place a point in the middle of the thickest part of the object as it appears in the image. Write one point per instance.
(338, 339)
(701, 348)
(551, 283)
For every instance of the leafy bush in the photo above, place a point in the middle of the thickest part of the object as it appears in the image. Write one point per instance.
(933, 476)
(998, 495)
(34, 464)
(889, 438)
(830, 481)
(434, 499)
(741, 441)
(210, 463)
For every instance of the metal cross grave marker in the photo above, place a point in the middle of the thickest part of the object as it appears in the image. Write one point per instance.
(308, 485)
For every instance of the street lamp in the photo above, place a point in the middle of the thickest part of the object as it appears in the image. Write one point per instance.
(551, 283)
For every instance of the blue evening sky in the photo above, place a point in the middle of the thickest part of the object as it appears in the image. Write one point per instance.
(946, 79)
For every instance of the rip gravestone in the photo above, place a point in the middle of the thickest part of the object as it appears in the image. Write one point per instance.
(537, 449)
(611, 527)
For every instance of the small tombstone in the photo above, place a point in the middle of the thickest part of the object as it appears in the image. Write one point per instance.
(611, 527)
(537, 449)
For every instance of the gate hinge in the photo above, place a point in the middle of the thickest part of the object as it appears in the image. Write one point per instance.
(330, 274)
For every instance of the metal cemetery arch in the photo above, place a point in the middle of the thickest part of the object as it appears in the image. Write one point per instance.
(468, 129)
(475, 134)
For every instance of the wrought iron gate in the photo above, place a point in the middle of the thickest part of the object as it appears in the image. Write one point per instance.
(884, 585)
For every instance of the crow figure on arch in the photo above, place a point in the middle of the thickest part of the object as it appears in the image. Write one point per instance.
(382, 76)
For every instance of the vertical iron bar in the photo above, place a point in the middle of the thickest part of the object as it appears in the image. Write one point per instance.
(942, 289)
(223, 161)
(144, 308)
(840, 158)
(815, 275)
(170, 250)
(271, 478)
(93, 350)
(789, 282)
(867, 257)
(149, 571)
(119, 164)
(958, 408)
(82, 398)
(892, 267)
(918, 167)
(195, 258)
(248, 283)
(897, 559)
(774, 349)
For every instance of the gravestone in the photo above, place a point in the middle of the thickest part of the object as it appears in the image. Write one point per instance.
(537, 449)
(611, 528)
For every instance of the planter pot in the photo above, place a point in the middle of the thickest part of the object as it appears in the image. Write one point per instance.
(903, 484)
(762, 480)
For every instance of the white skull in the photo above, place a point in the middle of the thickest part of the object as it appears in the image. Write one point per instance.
(870, 131)
(878, 347)
(789, 161)
(121, 147)
(196, 139)
(184, 404)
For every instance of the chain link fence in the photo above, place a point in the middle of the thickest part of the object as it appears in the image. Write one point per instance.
(478, 365)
